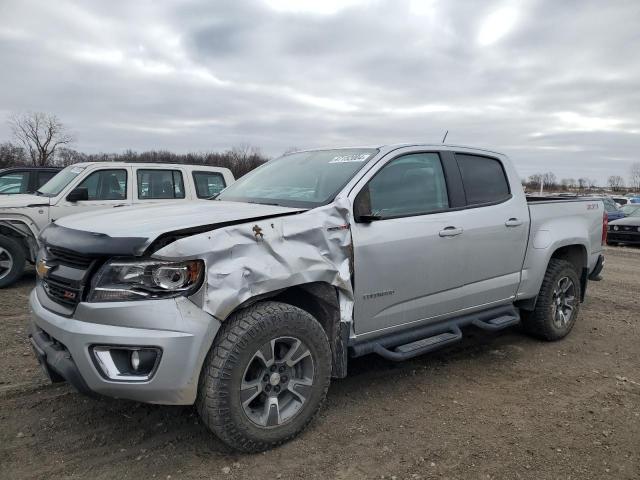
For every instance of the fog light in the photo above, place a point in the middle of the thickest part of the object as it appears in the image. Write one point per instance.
(135, 360)
(132, 364)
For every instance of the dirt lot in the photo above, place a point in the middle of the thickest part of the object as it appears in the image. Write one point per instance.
(500, 406)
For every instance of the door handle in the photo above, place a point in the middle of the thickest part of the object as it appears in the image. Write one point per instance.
(513, 222)
(450, 232)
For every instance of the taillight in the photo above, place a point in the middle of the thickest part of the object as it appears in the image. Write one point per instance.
(605, 227)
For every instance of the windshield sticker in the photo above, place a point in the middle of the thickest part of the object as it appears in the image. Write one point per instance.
(356, 157)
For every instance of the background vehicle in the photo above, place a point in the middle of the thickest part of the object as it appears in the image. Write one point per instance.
(630, 209)
(25, 179)
(625, 230)
(248, 304)
(86, 187)
(613, 211)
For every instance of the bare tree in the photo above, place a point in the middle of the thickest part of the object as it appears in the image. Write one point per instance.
(41, 134)
(616, 183)
(583, 183)
(634, 176)
(549, 179)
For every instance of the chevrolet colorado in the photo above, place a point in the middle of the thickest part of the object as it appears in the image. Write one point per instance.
(247, 305)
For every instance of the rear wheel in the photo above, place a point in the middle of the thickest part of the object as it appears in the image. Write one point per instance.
(12, 260)
(265, 377)
(558, 302)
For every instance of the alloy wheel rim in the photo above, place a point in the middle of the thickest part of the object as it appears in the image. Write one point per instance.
(6, 262)
(563, 302)
(277, 382)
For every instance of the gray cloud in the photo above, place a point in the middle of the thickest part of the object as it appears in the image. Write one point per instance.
(553, 84)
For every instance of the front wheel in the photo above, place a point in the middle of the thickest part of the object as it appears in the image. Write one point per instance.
(12, 261)
(266, 376)
(558, 302)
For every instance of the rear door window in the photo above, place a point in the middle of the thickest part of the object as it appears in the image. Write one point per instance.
(484, 179)
(208, 184)
(160, 184)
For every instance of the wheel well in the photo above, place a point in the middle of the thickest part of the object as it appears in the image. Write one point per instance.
(18, 236)
(577, 256)
(574, 254)
(320, 300)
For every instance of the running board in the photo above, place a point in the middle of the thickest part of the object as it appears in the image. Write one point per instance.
(412, 343)
(498, 323)
(419, 347)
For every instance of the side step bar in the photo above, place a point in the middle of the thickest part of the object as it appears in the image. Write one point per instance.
(408, 344)
(419, 347)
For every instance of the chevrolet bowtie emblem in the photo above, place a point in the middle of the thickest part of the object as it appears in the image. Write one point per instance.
(42, 268)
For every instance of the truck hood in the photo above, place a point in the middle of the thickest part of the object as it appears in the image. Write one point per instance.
(22, 200)
(634, 220)
(130, 230)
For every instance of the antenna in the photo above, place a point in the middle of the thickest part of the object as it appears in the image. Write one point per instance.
(445, 136)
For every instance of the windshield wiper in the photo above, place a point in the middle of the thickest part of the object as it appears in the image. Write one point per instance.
(267, 203)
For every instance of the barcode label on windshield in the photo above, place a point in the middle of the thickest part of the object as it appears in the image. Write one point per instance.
(358, 157)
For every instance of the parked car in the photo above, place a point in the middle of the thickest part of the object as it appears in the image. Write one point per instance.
(635, 200)
(86, 187)
(17, 180)
(630, 209)
(248, 304)
(613, 211)
(620, 201)
(625, 230)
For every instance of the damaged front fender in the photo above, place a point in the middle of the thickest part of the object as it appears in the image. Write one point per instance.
(255, 258)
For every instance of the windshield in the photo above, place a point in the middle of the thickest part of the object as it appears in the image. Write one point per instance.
(302, 179)
(631, 210)
(54, 186)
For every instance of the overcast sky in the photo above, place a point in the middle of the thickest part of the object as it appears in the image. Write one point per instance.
(554, 84)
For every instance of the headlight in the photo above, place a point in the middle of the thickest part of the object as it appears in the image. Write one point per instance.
(123, 279)
(638, 229)
(616, 228)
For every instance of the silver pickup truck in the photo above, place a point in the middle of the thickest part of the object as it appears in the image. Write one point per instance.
(247, 305)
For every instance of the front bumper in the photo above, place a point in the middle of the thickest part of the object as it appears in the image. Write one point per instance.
(182, 331)
(623, 237)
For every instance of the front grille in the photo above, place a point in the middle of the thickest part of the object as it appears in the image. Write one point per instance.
(62, 292)
(69, 258)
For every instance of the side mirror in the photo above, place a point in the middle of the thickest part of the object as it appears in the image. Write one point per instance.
(362, 207)
(78, 195)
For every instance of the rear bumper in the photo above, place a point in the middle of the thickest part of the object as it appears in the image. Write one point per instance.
(181, 331)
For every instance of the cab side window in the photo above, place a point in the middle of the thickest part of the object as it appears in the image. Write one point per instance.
(409, 185)
(160, 184)
(106, 185)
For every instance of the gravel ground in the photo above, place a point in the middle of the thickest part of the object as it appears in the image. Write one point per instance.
(493, 406)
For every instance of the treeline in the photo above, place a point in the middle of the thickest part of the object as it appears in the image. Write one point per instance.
(615, 183)
(239, 160)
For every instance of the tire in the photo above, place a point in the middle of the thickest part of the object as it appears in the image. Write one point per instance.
(12, 259)
(238, 382)
(545, 321)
